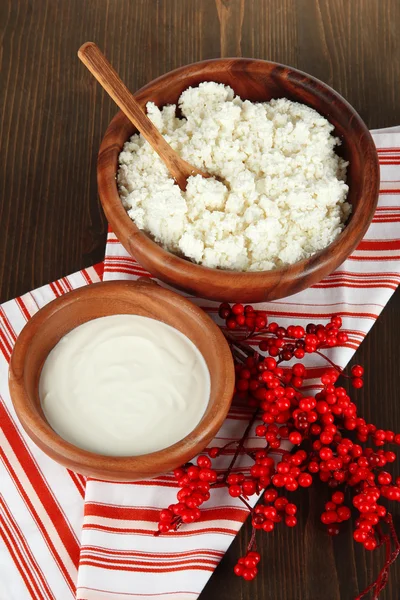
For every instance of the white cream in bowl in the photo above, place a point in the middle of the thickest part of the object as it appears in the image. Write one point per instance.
(124, 385)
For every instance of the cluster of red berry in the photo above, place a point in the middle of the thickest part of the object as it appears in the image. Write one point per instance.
(243, 316)
(194, 483)
(262, 381)
(295, 341)
(322, 424)
(246, 566)
(285, 343)
(240, 486)
(276, 509)
(335, 513)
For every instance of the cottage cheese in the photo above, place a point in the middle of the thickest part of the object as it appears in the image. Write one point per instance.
(280, 193)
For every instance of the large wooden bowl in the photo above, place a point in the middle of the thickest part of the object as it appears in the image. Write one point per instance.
(254, 80)
(56, 319)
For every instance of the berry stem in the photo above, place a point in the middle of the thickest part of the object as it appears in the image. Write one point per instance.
(339, 369)
(247, 505)
(252, 543)
(238, 343)
(241, 444)
(380, 583)
(221, 450)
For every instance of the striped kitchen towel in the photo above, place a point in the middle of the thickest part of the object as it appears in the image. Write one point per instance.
(41, 502)
(120, 557)
(63, 537)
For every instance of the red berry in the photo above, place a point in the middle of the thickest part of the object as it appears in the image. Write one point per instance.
(260, 430)
(384, 478)
(270, 495)
(291, 484)
(268, 525)
(163, 527)
(313, 467)
(370, 544)
(256, 556)
(389, 437)
(249, 562)
(295, 437)
(193, 472)
(360, 536)
(224, 310)
(299, 370)
(213, 452)
(242, 385)
(179, 473)
(166, 515)
(189, 516)
(260, 322)
(250, 322)
(208, 475)
(280, 503)
(290, 521)
(357, 371)
(390, 457)
(238, 309)
(305, 480)
(357, 382)
(249, 574)
(231, 323)
(336, 321)
(181, 495)
(333, 530)
(325, 453)
(279, 480)
(344, 513)
(283, 467)
(240, 320)
(338, 498)
(232, 478)
(329, 517)
(298, 332)
(235, 490)
(204, 462)
(290, 509)
(249, 487)
(238, 570)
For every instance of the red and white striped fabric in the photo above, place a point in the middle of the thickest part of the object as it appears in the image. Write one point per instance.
(41, 503)
(119, 556)
(113, 554)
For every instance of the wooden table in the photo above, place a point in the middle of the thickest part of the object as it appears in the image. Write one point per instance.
(53, 118)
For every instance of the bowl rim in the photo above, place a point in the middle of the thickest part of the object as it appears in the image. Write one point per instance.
(40, 431)
(130, 235)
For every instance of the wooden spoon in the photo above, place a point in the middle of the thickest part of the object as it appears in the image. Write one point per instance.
(98, 65)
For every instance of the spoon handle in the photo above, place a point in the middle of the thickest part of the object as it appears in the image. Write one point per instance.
(101, 69)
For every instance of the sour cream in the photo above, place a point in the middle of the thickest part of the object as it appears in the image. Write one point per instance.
(124, 385)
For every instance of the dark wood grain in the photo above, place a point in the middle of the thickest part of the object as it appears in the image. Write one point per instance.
(52, 121)
(257, 81)
(144, 298)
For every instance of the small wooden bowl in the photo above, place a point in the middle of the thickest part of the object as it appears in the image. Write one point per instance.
(62, 315)
(258, 81)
